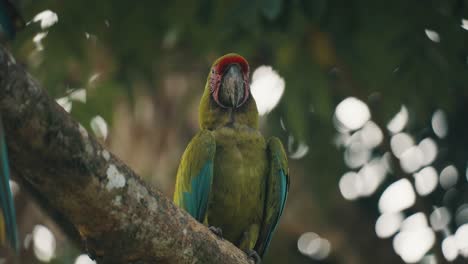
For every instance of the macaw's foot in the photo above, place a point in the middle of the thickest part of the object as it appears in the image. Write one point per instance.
(217, 231)
(253, 255)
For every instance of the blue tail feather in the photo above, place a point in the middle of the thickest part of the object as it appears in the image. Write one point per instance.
(6, 197)
(283, 196)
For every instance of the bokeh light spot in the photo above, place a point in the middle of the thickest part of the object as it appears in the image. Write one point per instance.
(99, 127)
(397, 197)
(300, 151)
(37, 39)
(352, 113)
(348, 186)
(426, 181)
(449, 248)
(267, 88)
(65, 103)
(464, 24)
(399, 121)
(78, 95)
(14, 187)
(413, 245)
(432, 35)
(414, 221)
(461, 215)
(466, 172)
(415, 238)
(94, 78)
(439, 123)
(370, 176)
(44, 243)
(448, 177)
(461, 239)
(47, 18)
(283, 126)
(440, 218)
(388, 224)
(400, 142)
(84, 259)
(356, 155)
(313, 246)
(411, 159)
(371, 135)
(428, 148)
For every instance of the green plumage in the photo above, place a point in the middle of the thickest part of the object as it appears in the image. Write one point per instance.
(242, 177)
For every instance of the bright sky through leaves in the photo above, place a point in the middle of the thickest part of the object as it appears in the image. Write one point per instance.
(47, 18)
(267, 88)
(352, 113)
(397, 197)
(44, 243)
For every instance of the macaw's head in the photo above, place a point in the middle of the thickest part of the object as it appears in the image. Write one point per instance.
(227, 99)
(229, 81)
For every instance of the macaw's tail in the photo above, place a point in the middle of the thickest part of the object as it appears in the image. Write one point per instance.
(8, 230)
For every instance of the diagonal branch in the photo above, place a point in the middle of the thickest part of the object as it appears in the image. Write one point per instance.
(120, 219)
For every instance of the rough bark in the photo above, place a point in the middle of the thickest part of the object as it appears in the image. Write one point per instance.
(119, 218)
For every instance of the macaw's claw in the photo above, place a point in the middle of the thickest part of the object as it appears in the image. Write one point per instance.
(217, 231)
(253, 255)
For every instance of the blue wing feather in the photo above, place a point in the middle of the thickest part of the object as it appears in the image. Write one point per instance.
(195, 201)
(195, 175)
(6, 197)
(284, 184)
(277, 186)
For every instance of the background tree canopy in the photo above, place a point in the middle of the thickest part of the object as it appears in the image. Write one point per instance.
(373, 114)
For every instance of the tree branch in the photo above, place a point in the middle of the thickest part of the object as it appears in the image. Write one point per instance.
(120, 219)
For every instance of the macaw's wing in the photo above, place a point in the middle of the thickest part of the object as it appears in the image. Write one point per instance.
(277, 185)
(8, 217)
(195, 175)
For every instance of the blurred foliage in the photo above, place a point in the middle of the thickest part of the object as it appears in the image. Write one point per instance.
(152, 58)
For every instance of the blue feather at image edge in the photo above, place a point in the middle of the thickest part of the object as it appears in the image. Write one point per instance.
(6, 197)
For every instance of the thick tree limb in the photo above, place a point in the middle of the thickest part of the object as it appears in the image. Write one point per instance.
(120, 219)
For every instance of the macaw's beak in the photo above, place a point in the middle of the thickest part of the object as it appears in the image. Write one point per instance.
(231, 93)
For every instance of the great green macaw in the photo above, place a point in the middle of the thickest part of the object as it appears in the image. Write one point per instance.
(8, 230)
(230, 177)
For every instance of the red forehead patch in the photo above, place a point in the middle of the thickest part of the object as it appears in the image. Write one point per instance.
(230, 59)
